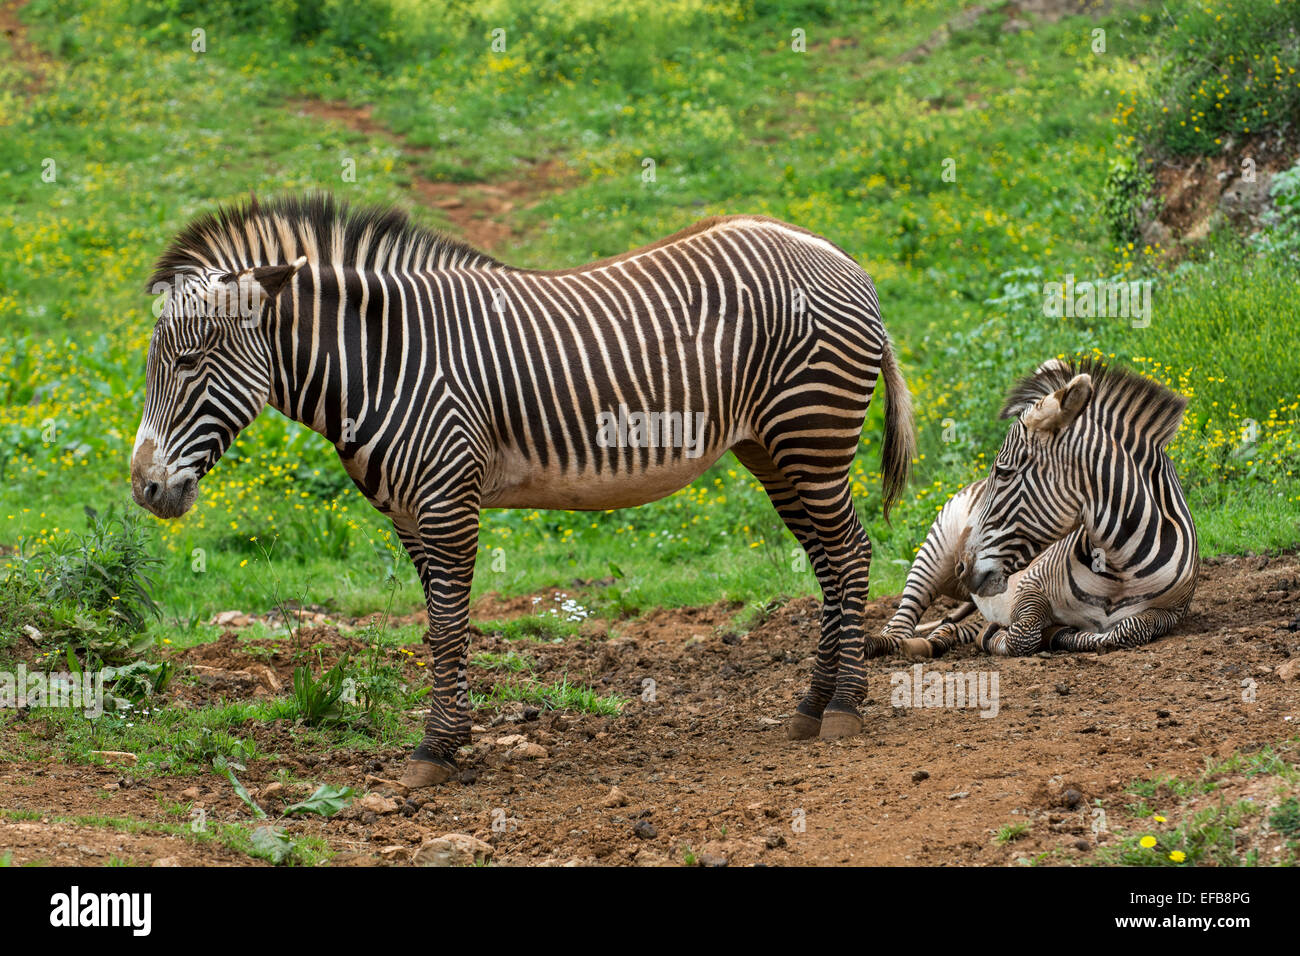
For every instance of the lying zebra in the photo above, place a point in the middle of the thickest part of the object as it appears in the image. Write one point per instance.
(1080, 538)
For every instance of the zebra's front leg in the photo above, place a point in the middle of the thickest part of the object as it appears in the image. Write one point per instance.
(1030, 616)
(949, 634)
(1142, 628)
(446, 568)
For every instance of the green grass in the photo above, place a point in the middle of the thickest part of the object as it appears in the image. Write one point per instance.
(1228, 69)
(510, 661)
(1206, 837)
(1011, 832)
(848, 140)
(555, 695)
(306, 850)
(1204, 821)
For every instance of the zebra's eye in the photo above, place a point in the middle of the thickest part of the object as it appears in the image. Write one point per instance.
(188, 360)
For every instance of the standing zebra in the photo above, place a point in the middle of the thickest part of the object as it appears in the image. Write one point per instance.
(449, 382)
(1080, 538)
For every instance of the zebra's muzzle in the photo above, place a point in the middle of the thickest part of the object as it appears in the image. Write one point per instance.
(158, 489)
(983, 577)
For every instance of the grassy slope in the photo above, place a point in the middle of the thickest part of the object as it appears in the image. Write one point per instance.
(848, 139)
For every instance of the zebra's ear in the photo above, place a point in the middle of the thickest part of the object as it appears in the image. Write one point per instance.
(1057, 411)
(273, 278)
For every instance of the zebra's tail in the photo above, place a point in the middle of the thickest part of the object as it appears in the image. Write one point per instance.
(900, 435)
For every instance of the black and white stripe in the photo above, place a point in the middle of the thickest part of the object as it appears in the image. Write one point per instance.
(1080, 538)
(450, 382)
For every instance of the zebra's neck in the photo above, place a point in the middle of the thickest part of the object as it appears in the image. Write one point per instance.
(1131, 498)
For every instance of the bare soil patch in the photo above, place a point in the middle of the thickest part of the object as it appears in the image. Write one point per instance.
(481, 212)
(32, 61)
(702, 768)
(1197, 193)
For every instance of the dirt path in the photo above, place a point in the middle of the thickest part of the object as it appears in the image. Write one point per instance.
(33, 62)
(481, 213)
(705, 767)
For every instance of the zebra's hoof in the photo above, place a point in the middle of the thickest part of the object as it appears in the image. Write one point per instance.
(917, 648)
(802, 727)
(426, 773)
(839, 723)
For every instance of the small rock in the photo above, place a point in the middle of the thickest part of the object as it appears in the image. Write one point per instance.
(511, 740)
(395, 785)
(273, 789)
(615, 798)
(1072, 797)
(375, 803)
(919, 775)
(645, 830)
(127, 758)
(167, 861)
(266, 676)
(1082, 845)
(528, 751)
(192, 793)
(452, 849)
(1288, 670)
(959, 795)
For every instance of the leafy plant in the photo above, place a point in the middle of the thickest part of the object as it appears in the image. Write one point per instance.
(272, 844)
(1282, 235)
(326, 801)
(319, 700)
(1286, 818)
(223, 765)
(1128, 186)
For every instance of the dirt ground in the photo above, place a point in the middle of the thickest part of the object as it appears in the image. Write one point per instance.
(704, 770)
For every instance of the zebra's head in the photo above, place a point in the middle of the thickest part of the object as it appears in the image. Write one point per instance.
(1035, 492)
(208, 375)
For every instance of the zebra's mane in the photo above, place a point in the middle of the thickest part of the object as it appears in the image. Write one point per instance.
(323, 229)
(1157, 410)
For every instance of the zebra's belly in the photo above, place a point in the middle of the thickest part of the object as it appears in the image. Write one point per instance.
(513, 482)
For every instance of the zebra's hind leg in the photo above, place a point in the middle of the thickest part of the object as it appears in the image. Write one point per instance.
(949, 634)
(829, 504)
(447, 543)
(807, 719)
(1141, 628)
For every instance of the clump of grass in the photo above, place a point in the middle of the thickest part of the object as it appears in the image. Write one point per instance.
(511, 661)
(532, 627)
(1011, 832)
(1206, 836)
(556, 695)
(1285, 819)
(320, 700)
(207, 744)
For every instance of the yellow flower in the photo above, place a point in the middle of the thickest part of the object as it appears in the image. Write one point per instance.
(1178, 856)
(1158, 818)
(1147, 842)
